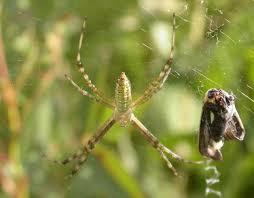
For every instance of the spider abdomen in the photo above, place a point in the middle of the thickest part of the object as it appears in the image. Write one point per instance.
(123, 93)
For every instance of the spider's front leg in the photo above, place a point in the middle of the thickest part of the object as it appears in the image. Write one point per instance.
(81, 69)
(82, 154)
(85, 93)
(158, 146)
(158, 82)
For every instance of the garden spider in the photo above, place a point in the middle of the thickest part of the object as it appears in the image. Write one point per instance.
(123, 109)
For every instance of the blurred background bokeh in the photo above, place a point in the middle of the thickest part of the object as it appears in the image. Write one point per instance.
(41, 113)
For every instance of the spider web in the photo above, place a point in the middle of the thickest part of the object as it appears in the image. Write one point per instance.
(213, 49)
(216, 24)
(219, 29)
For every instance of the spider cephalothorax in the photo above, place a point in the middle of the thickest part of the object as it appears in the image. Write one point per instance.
(122, 107)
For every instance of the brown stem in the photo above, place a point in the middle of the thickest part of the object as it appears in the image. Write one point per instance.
(8, 92)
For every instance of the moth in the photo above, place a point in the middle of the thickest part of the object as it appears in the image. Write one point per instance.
(219, 122)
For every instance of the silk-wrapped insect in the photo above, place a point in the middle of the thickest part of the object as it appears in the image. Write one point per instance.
(220, 121)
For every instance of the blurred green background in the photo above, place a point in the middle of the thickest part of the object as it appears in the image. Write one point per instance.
(40, 112)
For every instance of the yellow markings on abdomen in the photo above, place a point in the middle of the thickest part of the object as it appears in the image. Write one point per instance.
(123, 93)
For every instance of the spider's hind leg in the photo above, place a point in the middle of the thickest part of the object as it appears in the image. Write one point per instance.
(81, 155)
(163, 150)
(65, 161)
(88, 147)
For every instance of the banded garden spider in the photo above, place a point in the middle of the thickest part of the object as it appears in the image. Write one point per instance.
(123, 109)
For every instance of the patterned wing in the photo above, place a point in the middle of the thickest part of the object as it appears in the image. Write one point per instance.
(207, 146)
(235, 129)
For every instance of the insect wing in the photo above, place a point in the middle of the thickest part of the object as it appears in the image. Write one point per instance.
(235, 129)
(207, 146)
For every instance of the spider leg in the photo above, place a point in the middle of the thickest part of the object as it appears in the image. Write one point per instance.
(85, 93)
(88, 147)
(169, 164)
(65, 161)
(158, 82)
(85, 75)
(82, 154)
(158, 146)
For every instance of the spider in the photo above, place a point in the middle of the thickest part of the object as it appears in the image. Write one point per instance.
(123, 107)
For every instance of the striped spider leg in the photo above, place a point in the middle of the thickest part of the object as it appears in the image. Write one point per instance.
(163, 150)
(123, 107)
(99, 97)
(158, 82)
